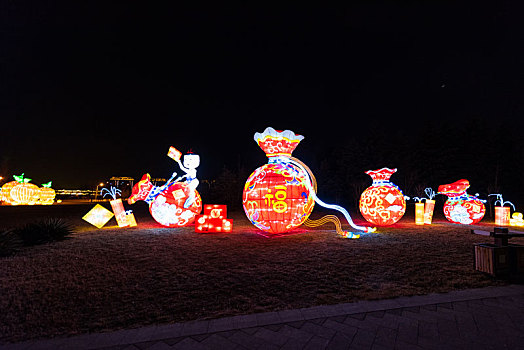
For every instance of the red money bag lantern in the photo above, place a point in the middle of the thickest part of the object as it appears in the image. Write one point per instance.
(276, 196)
(382, 203)
(461, 208)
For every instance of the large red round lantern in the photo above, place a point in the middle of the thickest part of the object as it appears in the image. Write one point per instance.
(276, 196)
(382, 203)
(460, 207)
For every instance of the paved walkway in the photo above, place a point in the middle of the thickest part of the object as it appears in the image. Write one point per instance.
(485, 318)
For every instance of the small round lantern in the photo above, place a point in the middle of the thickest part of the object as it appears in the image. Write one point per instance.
(47, 194)
(382, 203)
(276, 196)
(461, 208)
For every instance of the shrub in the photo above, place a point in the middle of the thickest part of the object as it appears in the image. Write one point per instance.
(47, 230)
(10, 242)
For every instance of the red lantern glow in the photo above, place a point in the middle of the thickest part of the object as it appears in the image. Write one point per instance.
(461, 208)
(213, 220)
(502, 216)
(382, 203)
(276, 196)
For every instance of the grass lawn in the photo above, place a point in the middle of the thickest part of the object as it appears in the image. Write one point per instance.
(112, 278)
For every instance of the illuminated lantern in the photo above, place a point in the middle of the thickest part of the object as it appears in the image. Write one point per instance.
(382, 203)
(501, 212)
(120, 213)
(213, 219)
(6, 191)
(276, 196)
(166, 203)
(460, 207)
(502, 216)
(47, 194)
(516, 219)
(98, 216)
(25, 194)
(419, 213)
(428, 211)
(130, 218)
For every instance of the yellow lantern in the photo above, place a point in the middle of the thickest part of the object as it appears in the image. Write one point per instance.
(98, 216)
(47, 194)
(25, 194)
(516, 219)
(419, 213)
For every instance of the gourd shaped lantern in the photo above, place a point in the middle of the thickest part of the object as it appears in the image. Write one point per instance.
(461, 208)
(276, 196)
(382, 203)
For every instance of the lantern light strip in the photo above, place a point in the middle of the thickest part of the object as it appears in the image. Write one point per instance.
(338, 208)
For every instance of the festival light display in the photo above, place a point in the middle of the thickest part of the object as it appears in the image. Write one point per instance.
(23, 193)
(176, 203)
(382, 203)
(419, 213)
(47, 194)
(98, 216)
(6, 191)
(123, 218)
(280, 195)
(214, 219)
(429, 205)
(502, 213)
(516, 219)
(424, 211)
(460, 207)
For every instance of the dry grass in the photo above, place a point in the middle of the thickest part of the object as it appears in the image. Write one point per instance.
(114, 278)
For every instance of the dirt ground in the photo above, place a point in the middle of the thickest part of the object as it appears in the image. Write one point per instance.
(112, 278)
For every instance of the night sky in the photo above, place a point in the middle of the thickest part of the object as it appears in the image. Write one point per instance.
(90, 90)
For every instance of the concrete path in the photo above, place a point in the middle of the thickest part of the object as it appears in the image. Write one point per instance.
(485, 318)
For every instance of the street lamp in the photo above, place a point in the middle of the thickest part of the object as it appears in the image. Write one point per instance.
(96, 192)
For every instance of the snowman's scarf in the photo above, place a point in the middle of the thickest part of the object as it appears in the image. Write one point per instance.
(312, 187)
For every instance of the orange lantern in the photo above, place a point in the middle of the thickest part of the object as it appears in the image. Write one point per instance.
(6, 191)
(25, 194)
(502, 216)
(428, 211)
(276, 196)
(382, 203)
(47, 194)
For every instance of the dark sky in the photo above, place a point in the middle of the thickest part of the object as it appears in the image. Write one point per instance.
(90, 90)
